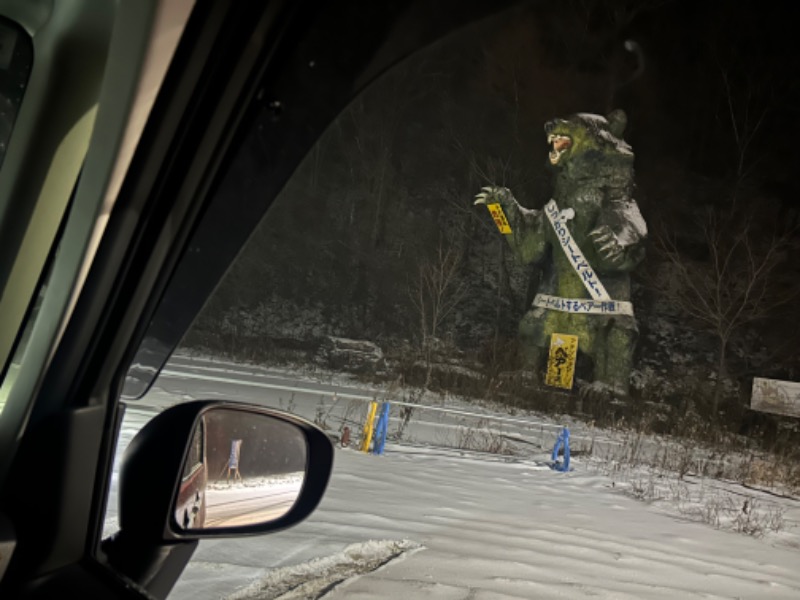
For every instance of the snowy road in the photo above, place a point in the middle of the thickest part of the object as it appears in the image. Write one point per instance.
(311, 395)
(239, 505)
(484, 528)
(497, 530)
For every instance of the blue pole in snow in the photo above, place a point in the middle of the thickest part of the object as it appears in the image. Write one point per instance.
(381, 430)
(562, 440)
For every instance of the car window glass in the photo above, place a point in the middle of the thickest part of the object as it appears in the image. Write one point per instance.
(561, 242)
(16, 61)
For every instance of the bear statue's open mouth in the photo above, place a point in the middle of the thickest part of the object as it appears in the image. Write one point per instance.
(559, 144)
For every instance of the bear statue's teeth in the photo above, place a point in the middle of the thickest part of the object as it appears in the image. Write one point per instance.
(559, 144)
(555, 155)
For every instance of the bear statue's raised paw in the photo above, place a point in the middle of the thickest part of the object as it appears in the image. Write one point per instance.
(491, 194)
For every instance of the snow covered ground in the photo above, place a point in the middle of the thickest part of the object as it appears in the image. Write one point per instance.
(491, 529)
(441, 523)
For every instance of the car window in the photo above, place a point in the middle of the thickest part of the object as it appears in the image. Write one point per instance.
(16, 61)
(539, 284)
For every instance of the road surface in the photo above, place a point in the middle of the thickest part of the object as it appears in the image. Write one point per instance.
(332, 402)
(248, 504)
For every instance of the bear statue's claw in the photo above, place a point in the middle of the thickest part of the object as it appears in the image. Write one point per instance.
(489, 193)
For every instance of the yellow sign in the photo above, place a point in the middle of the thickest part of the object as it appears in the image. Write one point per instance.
(561, 364)
(499, 217)
(369, 426)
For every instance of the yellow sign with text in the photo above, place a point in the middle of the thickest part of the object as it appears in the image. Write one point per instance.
(499, 217)
(561, 363)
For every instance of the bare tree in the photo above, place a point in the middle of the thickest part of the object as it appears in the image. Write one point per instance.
(435, 293)
(746, 111)
(740, 282)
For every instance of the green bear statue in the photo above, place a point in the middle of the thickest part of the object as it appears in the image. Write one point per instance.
(591, 235)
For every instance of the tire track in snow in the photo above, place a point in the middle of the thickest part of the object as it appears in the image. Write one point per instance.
(550, 543)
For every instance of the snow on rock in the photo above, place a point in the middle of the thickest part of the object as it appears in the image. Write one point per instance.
(635, 227)
(358, 356)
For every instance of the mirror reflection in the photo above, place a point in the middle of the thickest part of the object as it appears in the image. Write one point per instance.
(242, 468)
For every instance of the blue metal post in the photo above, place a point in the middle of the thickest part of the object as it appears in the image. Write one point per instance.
(562, 440)
(381, 430)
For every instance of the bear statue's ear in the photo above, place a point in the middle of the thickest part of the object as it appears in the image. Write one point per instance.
(617, 122)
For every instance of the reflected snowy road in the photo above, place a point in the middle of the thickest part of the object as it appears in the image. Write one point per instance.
(248, 503)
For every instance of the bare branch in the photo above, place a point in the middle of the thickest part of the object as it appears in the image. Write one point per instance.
(737, 285)
(437, 290)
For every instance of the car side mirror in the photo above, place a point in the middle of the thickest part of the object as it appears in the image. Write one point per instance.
(221, 449)
(212, 469)
(242, 469)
